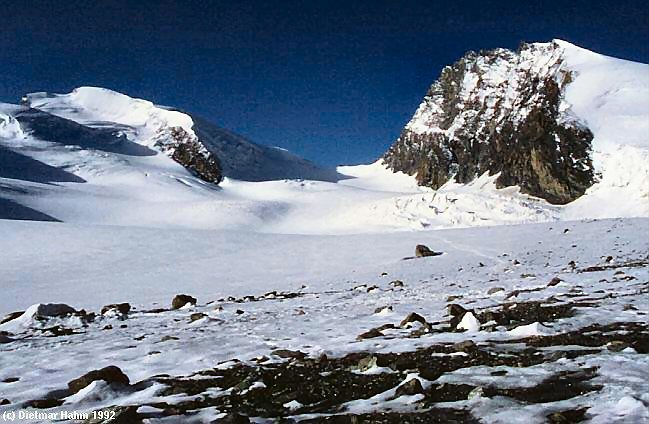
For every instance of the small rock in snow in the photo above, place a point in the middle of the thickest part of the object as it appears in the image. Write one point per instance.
(495, 290)
(396, 283)
(617, 346)
(110, 374)
(383, 309)
(232, 418)
(409, 388)
(118, 308)
(464, 346)
(181, 300)
(369, 334)
(196, 316)
(422, 251)
(288, 354)
(413, 317)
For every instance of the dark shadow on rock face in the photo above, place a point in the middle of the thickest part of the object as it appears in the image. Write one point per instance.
(244, 160)
(20, 167)
(12, 210)
(48, 127)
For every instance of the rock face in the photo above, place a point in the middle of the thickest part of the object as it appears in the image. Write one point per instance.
(189, 151)
(500, 112)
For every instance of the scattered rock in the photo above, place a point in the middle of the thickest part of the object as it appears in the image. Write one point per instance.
(495, 290)
(477, 392)
(413, 317)
(168, 338)
(232, 418)
(110, 374)
(196, 316)
(422, 251)
(617, 346)
(453, 297)
(47, 310)
(409, 388)
(5, 339)
(370, 334)
(119, 308)
(464, 346)
(289, 354)
(367, 363)
(239, 312)
(181, 300)
(383, 309)
(456, 312)
(11, 316)
(108, 327)
(44, 403)
(11, 380)
(554, 281)
(396, 283)
(567, 417)
(5, 402)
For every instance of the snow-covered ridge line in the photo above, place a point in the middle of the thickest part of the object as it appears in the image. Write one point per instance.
(168, 131)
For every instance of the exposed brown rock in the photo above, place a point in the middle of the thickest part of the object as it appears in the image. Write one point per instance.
(181, 300)
(528, 143)
(110, 374)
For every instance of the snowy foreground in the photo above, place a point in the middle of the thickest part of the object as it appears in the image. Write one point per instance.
(550, 324)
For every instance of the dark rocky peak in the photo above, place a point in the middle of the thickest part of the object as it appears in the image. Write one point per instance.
(500, 112)
(189, 151)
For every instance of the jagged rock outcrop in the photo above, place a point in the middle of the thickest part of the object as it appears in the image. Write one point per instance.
(190, 152)
(502, 112)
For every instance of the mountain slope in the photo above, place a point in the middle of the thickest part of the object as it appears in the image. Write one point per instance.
(169, 130)
(548, 118)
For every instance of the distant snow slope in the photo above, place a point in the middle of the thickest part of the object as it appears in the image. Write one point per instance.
(611, 96)
(142, 121)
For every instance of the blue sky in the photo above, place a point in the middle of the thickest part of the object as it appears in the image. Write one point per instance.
(332, 81)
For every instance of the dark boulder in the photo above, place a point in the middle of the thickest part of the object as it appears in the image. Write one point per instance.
(181, 300)
(422, 251)
(110, 374)
(120, 308)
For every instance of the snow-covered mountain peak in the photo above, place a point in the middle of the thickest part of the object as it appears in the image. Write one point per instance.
(96, 106)
(539, 118)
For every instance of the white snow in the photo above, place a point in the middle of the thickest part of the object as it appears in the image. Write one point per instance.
(96, 106)
(469, 323)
